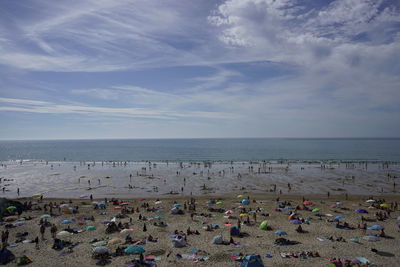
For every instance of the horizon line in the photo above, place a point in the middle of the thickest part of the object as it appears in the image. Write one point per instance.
(189, 138)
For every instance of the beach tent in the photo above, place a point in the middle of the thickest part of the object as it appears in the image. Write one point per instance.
(91, 228)
(217, 240)
(134, 250)
(179, 242)
(6, 256)
(235, 231)
(252, 261)
(263, 225)
(6, 203)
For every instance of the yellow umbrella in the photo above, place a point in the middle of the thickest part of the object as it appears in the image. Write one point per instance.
(244, 215)
(385, 205)
(37, 195)
(240, 196)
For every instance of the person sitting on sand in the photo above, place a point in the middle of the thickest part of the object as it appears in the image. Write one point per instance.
(299, 229)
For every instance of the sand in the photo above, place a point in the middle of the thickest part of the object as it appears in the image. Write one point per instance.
(258, 241)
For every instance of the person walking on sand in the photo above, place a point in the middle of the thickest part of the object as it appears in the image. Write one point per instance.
(18, 191)
(53, 231)
(42, 230)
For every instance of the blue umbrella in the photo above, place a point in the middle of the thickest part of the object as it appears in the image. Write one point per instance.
(361, 211)
(280, 232)
(101, 204)
(66, 222)
(134, 250)
(295, 221)
(177, 205)
(339, 203)
(245, 202)
(375, 227)
(339, 217)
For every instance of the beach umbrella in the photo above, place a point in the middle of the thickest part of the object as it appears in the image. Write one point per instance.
(158, 217)
(219, 203)
(339, 217)
(134, 250)
(229, 212)
(91, 228)
(38, 195)
(239, 196)
(315, 210)
(64, 234)
(176, 205)
(45, 216)
(339, 203)
(244, 215)
(307, 203)
(101, 204)
(66, 222)
(99, 244)
(361, 211)
(375, 227)
(126, 231)
(370, 201)
(158, 202)
(141, 199)
(83, 196)
(263, 225)
(124, 203)
(371, 238)
(19, 223)
(280, 232)
(64, 206)
(385, 205)
(115, 241)
(333, 206)
(371, 208)
(245, 202)
(117, 207)
(95, 203)
(11, 208)
(100, 250)
(295, 221)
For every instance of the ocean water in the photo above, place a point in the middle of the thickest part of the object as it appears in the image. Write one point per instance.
(229, 149)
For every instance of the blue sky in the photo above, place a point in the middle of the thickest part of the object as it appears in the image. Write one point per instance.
(188, 69)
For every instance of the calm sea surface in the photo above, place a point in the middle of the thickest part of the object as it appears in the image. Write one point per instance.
(204, 149)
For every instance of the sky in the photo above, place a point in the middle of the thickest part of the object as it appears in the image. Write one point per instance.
(92, 69)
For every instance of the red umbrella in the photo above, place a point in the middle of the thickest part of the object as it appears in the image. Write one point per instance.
(307, 203)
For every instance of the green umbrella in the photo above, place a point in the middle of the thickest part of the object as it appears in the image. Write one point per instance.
(315, 210)
(11, 208)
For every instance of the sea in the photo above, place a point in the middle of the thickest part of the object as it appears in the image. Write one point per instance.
(210, 149)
